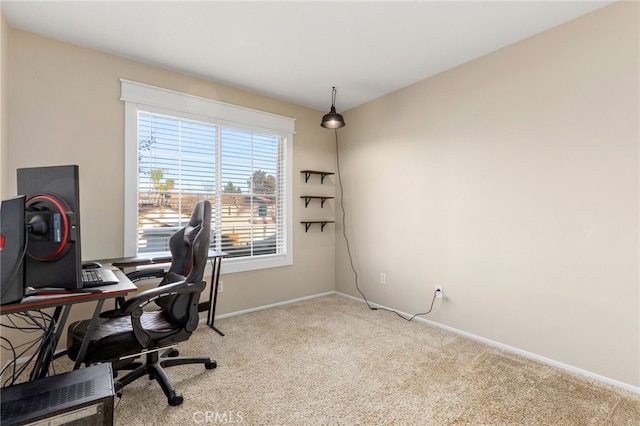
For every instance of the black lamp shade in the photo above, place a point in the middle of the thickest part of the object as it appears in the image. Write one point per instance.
(333, 120)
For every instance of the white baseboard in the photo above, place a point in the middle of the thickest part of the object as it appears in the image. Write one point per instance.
(526, 354)
(273, 305)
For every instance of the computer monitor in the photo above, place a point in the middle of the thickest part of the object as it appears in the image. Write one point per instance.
(12, 250)
(52, 218)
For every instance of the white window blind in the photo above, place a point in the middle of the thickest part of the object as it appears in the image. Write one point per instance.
(176, 168)
(183, 157)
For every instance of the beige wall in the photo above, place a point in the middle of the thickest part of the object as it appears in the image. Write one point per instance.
(513, 181)
(65, 109)
(4, 104)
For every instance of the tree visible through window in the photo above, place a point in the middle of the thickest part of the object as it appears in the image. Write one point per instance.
(182, 161)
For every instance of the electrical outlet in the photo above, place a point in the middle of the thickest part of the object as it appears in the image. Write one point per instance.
(383, 278)
(439, 292)
(220, 286)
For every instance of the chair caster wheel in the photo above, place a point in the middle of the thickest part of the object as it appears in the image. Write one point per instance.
(210, 365)
(175, 399)
(173, 353)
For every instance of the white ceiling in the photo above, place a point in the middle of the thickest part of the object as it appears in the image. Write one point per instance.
(297, 50)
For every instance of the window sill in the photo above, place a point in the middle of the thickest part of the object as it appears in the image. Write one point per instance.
(231, 265)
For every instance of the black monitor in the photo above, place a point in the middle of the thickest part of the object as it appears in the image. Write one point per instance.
(52, 216)
(12, 250)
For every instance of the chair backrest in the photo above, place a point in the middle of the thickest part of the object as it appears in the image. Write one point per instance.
(189, 253)
(190, 245)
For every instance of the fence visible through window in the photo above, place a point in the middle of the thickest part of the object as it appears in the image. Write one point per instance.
(239, 171)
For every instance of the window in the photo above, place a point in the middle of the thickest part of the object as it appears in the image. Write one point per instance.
(180, 149)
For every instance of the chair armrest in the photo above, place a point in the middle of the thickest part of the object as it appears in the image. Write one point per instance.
(143, 298)
(133, 277)
(146, 274)
(129, 262)
(134, 306)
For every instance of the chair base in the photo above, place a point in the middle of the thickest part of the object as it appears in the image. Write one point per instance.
(154, 365)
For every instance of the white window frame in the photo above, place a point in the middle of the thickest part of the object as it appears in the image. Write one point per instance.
(143, 97)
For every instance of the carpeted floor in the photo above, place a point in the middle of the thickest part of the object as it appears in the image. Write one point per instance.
(331, 361)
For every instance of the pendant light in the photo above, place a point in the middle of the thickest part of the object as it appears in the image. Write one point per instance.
(333, 120)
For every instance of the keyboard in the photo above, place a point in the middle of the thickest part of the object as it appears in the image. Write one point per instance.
(98, 276)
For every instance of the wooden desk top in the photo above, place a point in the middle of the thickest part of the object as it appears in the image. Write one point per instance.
(40, 302)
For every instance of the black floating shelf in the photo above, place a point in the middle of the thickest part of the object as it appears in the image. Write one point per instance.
(307, 224)
(308, 173)
(308, 198)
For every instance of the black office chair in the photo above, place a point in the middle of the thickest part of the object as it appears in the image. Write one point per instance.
(129, 332)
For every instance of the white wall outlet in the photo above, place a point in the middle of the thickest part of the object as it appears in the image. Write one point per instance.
(439, 292)
(220, 286)
(383, 278)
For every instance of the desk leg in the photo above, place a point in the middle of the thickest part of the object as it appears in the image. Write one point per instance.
(213, 293)
(87, 337)
(58, 324)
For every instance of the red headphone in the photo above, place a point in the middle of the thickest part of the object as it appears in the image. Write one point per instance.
(57, 247)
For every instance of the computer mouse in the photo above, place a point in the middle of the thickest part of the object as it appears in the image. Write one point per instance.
(91, 265)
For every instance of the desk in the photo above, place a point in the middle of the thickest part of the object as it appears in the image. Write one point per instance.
(63, 305)
(215, 257)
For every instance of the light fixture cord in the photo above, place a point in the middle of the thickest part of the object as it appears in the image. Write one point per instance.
(346, 239)
(333, 96)
(344, 223)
